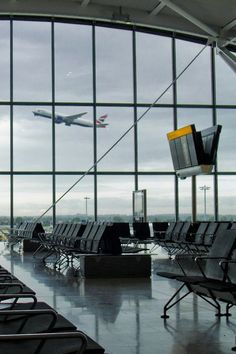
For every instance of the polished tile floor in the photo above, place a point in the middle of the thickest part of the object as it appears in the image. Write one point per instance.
(123, 315)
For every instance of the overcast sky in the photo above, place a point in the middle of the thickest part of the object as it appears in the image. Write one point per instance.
(114, 80)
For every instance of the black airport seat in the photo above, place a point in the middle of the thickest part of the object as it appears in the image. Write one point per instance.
(197, 239)
(185, 236)
(106, 241)
(128, 241)
(28, 326)
(159, 229)
(210, 234)
(122, 229)
(86, 242)
(208, 269)
(180, 233)
(168, 234)
(141, 230)
(44, 343)
(76, 232)
(171, 236)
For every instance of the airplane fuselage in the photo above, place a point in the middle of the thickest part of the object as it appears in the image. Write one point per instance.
(83, 122)
(46, 114)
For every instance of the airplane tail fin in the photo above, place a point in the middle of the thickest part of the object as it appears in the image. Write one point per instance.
(100, 121)
(102, 118)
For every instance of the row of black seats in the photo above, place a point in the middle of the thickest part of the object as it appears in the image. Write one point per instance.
(212, 277)
(187, 237)
(69, 240)
(29, 326)
(106, 238)
(25, 231)
(134, 236)
(139, 230)
(174, 237)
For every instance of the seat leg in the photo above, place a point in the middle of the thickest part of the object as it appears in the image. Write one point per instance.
(234, 348)
(215, 304)
(170, 304)
(227, 308)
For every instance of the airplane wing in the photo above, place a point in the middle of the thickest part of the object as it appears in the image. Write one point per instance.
(70, 119)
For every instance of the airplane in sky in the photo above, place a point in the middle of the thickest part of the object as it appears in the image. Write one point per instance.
(74, 119)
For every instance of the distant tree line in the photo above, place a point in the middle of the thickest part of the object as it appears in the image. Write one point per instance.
(47, 220)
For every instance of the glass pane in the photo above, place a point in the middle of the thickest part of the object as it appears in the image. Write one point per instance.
(78, 204)
(32, 61)
(160, 197)
(201, 117)
(225, 83)
(121, 158)
(32, 139)
(205, 198)
(5, 200)
(74, 140)
(4, 138)
(5, 60)
(115, 198)
(153, 146)
(194, 86)
(185, 199)
(32, 196)
(73, 63)
(114, 65)
(227, 143)
(227, 195)
(154, 68)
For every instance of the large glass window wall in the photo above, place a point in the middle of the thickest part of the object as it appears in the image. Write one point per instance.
(69, 91)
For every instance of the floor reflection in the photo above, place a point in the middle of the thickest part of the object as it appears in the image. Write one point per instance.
(189, 339)
(123, 315)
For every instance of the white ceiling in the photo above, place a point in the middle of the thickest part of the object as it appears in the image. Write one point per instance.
(205, 18)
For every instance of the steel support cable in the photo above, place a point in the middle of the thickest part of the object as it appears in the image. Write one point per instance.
(123, 135)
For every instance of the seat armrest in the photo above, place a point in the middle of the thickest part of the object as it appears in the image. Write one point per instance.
(201, 258)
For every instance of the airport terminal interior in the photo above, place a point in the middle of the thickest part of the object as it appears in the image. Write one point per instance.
(117, 176)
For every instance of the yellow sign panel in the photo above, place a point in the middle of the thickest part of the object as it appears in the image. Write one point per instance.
(180, 132)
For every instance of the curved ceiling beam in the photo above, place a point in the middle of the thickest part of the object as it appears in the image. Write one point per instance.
(229, 26)
(228, 57)
(190, 18)
(85, 3)
(157, 9)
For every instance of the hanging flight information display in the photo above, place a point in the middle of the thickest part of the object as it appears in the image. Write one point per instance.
(194, 152)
